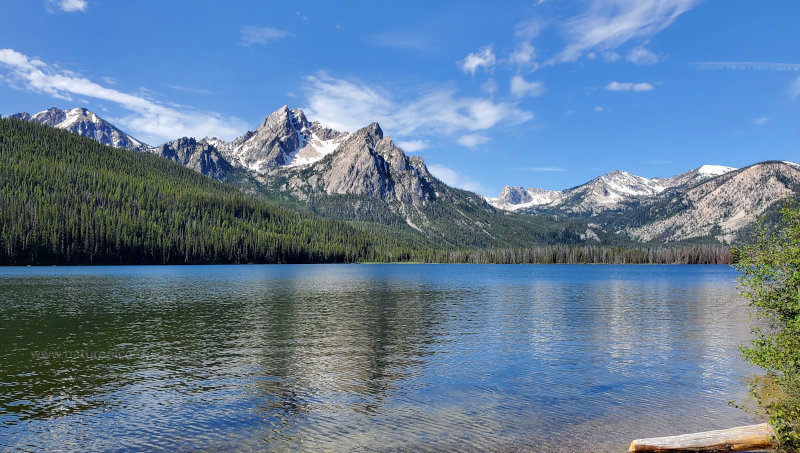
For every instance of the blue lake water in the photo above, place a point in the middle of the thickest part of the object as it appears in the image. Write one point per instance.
(367, 357)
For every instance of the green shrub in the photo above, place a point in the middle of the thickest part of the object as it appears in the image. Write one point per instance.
(770, 280)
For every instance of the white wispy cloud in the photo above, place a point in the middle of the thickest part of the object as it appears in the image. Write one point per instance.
(610, 56)
(523, 55)
(352, 104)
(627, 86)
(748, 65)
(455, 179)
(529, 29)
(490, 86)
(608, 24)
(761, 121)
(346, 105)
(149, 120)
(472, 140)
(412, 146)
(521, 87)
(484, 58)
(70, 6)
(642, 56)
(261, 35)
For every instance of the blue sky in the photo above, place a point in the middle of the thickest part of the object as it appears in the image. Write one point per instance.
(545, 93)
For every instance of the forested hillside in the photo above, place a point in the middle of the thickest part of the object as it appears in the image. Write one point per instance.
(66, 199)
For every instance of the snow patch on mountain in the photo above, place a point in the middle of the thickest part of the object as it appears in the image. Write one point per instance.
(722, 206)
(83, 122)
(285, 139)
(714, 170)
(516, 198)
(603, 193)
(314, 150)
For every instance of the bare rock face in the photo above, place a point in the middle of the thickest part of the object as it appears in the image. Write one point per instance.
(723, 206)
(367, 163)
(199, 156)
(514, 195)
(607, 192)
(25, 116)
(50, 117)
(272, 144)
(285, 138)
(83, 122)
(708, 201)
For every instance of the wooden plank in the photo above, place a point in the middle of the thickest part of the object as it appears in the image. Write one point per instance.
(743, 438)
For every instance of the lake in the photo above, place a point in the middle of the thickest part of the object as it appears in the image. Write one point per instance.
(367, 357)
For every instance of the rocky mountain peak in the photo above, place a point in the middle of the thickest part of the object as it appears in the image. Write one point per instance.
(368, 163)
(284, 120)
(200, 156)
(721, 206)
(50, 117)
(612, 190)
(84, 122)
(368, 136)
(284, 138)
(514, 195)
(279, 120)
(299, 118)
(374, 129)
(513, 198)
(185, 141)
(25, 116)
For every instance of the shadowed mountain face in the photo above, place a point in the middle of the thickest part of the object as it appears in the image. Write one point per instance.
(199, 156)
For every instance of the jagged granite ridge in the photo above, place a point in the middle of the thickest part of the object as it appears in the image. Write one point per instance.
(83, 122)
(367, 163)
(611, 191)
(721, 207)
(284, 138)
(200, 156)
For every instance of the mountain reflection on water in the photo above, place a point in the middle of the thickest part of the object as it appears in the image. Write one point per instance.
(378, 357)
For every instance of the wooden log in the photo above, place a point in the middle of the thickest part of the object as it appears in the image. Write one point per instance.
(743, 438)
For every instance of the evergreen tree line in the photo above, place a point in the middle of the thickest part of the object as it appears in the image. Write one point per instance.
(67, 199)
(593, 254)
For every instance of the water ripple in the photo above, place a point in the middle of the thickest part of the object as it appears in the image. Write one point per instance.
(371, 358)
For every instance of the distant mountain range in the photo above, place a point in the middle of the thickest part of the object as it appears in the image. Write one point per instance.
(364, 176)
(609, 191)
(709, 201)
